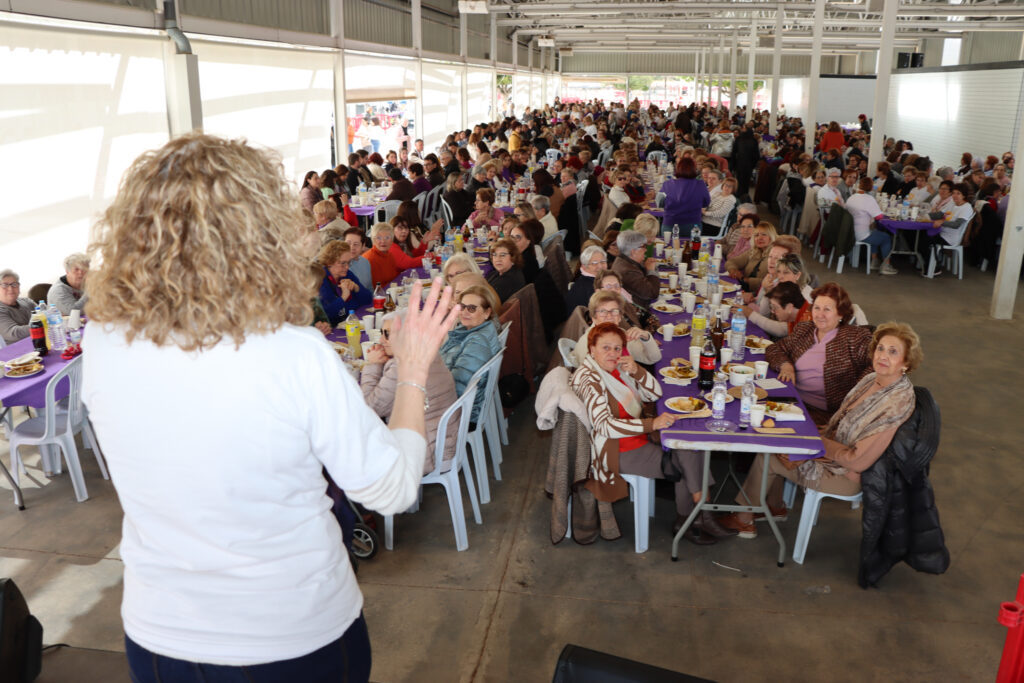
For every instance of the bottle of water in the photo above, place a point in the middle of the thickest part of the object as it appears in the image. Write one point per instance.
(58, 340)
(718, 399)
(675, 236)
(713, 280)
(747, 400)
(905, 210)
(698, 324)
(738, 335)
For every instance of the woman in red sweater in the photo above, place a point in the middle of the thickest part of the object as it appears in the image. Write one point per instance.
(833, 138)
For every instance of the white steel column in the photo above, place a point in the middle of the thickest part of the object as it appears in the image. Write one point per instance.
(493, 48)
(878, 124)
(773, 121)
(696, 68)
(494, 114)
(700, 77)
(1012, 251)
(417, 45)
(732, 77)
(417, 27)
(340, 110)
(751, 61)
(721, 69)
(810, 125)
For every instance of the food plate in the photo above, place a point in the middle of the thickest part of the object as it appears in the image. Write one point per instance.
(679, 372)
(728, 287)
(482, 250)
(783, 412)
(729, 398)
(729, 366)
(667, 308)
(757, 345)
(679, 330)
(684, 362)
(481, 259)
(685, 404)
(23, 371)
(738, 392)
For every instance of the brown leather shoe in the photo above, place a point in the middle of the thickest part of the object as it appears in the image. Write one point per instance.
(691, 534)
(779, 514)
(707, 523)
(743, 529)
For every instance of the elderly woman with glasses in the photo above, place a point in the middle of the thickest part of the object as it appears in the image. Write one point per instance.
(68, 293)
(750, 267)
(15, 311)
(458, 264)
(636, 266)
(340, 290)
(387, 260)
(507, 277)
(379, 380)
(789, 269)
(607, 306)
(474, 339)
(592, 260)
(485, 215)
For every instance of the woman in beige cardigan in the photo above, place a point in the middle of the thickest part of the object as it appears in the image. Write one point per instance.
(379, 381)
(613, 388)
(751, 266)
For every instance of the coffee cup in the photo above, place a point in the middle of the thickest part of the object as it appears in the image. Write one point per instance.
(760, 369)
(757, 414)
(666, 331)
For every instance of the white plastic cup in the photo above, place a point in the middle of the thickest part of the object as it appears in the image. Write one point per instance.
(716, 264)
(716, 297)
(659, 249)
(666, 331)
(726, 354)
(702, 288)
(683, 277)
(375, 335)
(717, 254)
(75, 319)
(757, 414)
(673, 281)
(378, 319)
(368, 322)
(689, 301)
(367, 345)
(695, 357)
(760, 369)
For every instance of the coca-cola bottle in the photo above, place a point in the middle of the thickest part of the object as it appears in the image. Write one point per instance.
(706, 374)
(379, 297)
(38, 334)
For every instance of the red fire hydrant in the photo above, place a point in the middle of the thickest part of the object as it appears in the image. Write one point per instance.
(1011, 615)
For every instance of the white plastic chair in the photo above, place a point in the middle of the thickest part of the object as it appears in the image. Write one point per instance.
(57, 427)
(809, 518)
(657, 155)
(641, 493)
(956, 252)
(498, 420)
(546, 241)
(856, 245)
(581, 209)
(565, 347)
(488, 376)
(450, 479)
(390, 208)
(552, 155)
(447, 214)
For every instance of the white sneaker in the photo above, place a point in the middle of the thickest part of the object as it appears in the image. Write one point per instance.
(887, 269)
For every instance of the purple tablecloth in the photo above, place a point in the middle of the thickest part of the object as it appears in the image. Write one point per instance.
(893, 226)
(692, 433)
(364, 210)
(31, 391)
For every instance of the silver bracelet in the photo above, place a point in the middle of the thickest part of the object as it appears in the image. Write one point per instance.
(426, 399)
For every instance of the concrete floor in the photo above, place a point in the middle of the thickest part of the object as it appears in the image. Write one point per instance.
(504, 609)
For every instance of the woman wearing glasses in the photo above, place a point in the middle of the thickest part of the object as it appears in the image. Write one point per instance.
(474, 339)
(379, 380)
(785, 312)
(507, 277)
(607, 306)
(15, 311)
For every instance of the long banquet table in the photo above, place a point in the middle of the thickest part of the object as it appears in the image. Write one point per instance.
(693, 433)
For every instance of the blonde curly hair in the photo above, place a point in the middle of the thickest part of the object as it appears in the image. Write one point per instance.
(203, 241)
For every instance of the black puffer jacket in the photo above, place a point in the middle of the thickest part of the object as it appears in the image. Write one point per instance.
(900, 520)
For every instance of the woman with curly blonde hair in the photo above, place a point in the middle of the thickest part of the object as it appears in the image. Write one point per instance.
(200, 310)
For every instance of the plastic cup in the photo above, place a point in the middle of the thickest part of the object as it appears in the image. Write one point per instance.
(666, 331)
(716, 297)
(757, 414)
(659, 249)
(726, 354)
(368, 322)
(367, 345)
(75, 319)
(702, 288)
(689, 301)
(683, 277)
(760, 369)
(374, 335)
(695, 357)
(716, 264)
(378, 318)
(673, 281)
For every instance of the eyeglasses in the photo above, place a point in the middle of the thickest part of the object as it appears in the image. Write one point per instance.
(501, 254)
(471, 308)
(597, 262)
(10, 285)
(608, 312)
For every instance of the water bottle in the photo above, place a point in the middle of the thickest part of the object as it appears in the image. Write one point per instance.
(698, 326)
(56, 332)
(713, 280)
(747, 400)
(675, 236)
(905, 210)
(738, 335)
(718, 395)
(353, 331)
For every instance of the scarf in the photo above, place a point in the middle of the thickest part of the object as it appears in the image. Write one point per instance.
(882, 410)
(624, 391)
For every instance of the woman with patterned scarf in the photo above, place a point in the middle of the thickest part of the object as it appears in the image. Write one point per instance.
(856, 435)
(613, 388)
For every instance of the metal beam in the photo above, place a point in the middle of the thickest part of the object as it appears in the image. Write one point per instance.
(810, 124)
(732, 77)
(773, 122)
(417, 29)
(751, 61)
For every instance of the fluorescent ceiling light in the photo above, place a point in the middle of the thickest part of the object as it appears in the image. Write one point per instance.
(545, 42)
(473, 6)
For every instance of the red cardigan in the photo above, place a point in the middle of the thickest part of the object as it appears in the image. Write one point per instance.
(386, 267)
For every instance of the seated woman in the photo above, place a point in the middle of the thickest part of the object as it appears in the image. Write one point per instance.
(320, 319)
(750, 267)
(379, 381)
(636, 268)
(411, 213)
(340, 290)
(325, 213)
(527, 236)
(485, 215)
(406, 240)
(613, 388)
(507, 276)
(864, 209)
(474, 339)
(545, 186)
(68, 293)
(648, 226)
(788, 307)
(387, 260)
(607, 306)
(738, 239)
(458, 197)
(719, 208)
(789, 269)
(458, 264)
(825, 358)
(856, 435)
(624, 218)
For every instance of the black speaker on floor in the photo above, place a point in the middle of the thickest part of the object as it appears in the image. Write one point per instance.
(580, 665)
(916, 60)
(903, 60)
(21, 637)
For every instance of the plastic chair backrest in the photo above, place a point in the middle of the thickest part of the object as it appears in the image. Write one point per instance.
(491, 369)
(433, 205)
(446, 209)
(657, 155)
(503, 333)
(553, 154)
(602, 156)
(73, 372)
(546, 241)
(464, 404)
(566, 347)
(422, 205)
(390, 208)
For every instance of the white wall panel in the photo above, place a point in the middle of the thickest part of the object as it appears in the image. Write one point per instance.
(76, 109)
(793, 95)
(947, 113)
(442, 102)
(478, 95)
(283, 99)
(536, 91)
(521, 91)
(842, 99)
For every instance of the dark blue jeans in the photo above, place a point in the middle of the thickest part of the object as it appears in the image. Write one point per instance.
(347, 660)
